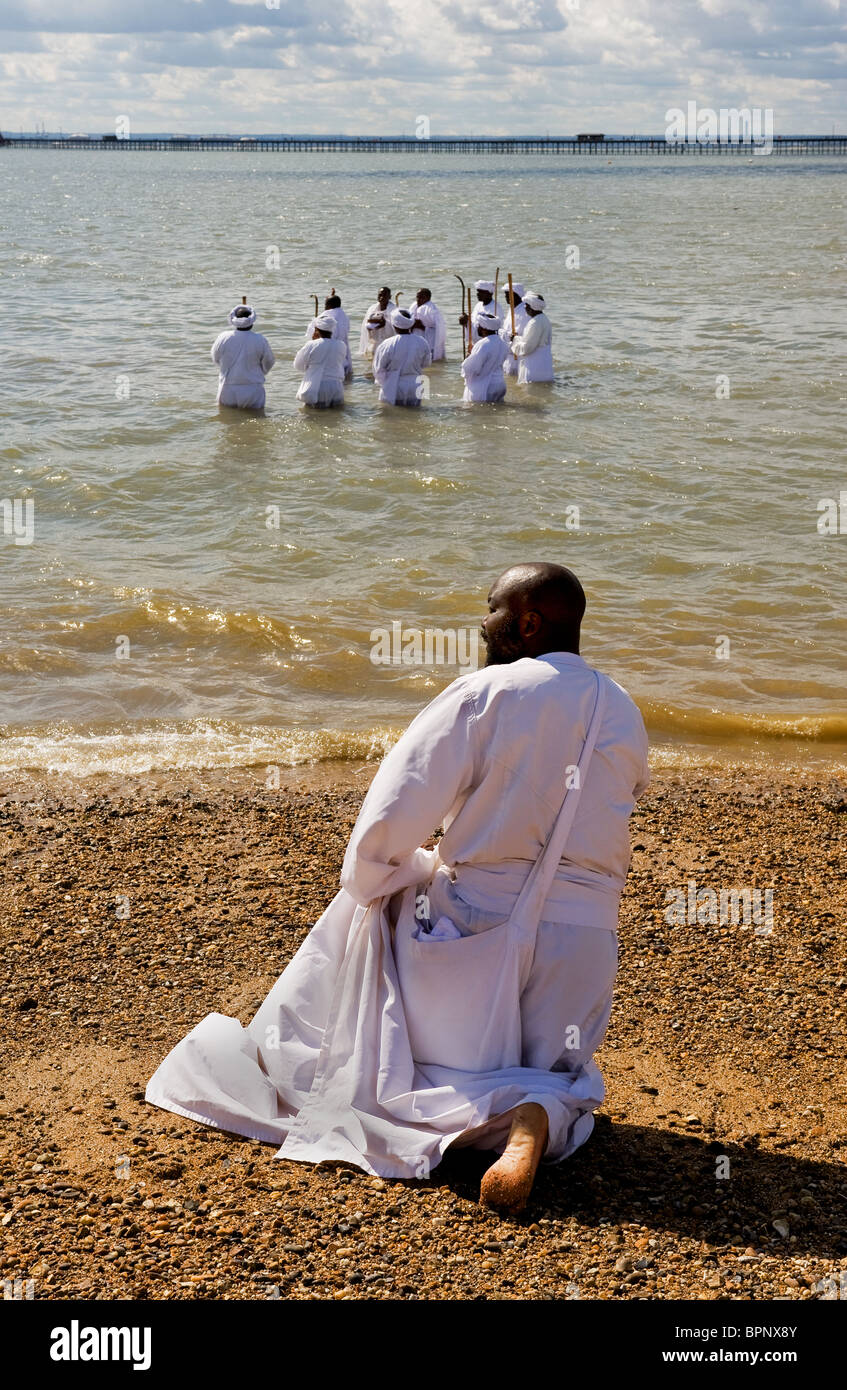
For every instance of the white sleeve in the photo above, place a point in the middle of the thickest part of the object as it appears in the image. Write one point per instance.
(530, 339)
(415, 787)
(267, 359)
(301, 361)
(381, 368)
(216, 348)
(644, 776)
(474, 365)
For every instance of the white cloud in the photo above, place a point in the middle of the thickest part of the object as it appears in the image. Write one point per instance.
(372, 66)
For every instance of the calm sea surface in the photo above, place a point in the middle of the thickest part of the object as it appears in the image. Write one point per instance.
(160, 619)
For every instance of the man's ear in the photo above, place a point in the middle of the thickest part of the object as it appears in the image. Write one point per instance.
(530, 623)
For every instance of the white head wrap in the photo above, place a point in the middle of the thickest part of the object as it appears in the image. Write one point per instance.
(490, 322)
(243, 320)
(534, 301)
(326, 322)
(401, 318)
(485, 285)
(518, 289)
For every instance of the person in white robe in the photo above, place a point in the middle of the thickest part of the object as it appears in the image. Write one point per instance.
(400, 361)
(244, 359)
(433, 323)
(510, 366)
(533, 348)
(485, 304)
(332, 306)
(376, 325)
(321, 362)
(482, 369)
(454, 996)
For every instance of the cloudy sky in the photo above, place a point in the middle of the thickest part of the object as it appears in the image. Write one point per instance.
(375, 66)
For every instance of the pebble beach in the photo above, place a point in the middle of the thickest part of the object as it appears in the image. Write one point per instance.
(717, 1166)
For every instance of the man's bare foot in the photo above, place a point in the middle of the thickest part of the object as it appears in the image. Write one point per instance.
(508, 1182)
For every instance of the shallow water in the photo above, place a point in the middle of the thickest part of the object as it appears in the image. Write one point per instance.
(698, 514)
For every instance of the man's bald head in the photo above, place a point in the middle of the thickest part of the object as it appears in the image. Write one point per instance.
(533, 608)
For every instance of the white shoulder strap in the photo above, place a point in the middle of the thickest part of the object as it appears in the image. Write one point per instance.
(526, 913)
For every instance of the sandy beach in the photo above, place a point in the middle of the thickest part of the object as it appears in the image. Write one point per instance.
(716, 1170)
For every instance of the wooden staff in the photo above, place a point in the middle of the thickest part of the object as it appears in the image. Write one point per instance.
(244, 299)
(462, 308)
(315, 297)
(496, 287)
(512, 303)
(397, 299)
(470, 322)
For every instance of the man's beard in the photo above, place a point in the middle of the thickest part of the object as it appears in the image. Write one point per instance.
(505, 646)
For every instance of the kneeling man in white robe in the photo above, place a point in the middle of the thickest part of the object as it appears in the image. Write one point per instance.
(321, 362)
(534, 346)
(399, 362)
(455, 996)
(483, 367)
(244, 359)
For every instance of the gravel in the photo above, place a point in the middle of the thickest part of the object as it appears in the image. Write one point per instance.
(716, 1169)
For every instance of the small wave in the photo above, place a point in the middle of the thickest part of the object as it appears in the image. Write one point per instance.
(727, 727)
(194, 745)
(679, 738)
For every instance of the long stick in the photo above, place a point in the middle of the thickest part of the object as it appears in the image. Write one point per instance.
(244, 299)
(496, 286)
(397, 299)
(315, 297)
(512, 303)
(470, 320)
(462, 304)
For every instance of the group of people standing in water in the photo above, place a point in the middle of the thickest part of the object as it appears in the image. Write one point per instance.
(400, 344)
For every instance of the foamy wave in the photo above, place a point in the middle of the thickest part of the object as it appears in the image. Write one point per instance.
(201, 744)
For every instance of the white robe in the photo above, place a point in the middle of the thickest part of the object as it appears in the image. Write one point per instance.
(244, 359)
(371, 336)
(435, 328)
(325, 1068)
(478, 308)
(321, 362)
(341, 335)
(483, 370)
(534, 350)
(510, 366)
(398, 364)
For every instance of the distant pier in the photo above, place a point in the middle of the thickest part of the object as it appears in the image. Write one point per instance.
(587, 146)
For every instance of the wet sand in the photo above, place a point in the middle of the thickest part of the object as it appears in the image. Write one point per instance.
(717, 1166)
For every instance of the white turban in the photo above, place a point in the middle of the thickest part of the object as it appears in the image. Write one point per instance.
(485, 285)
(326, 323)
(534, 301)
(517, 289)
(488, 321)
(243, 320)
(401, 318)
